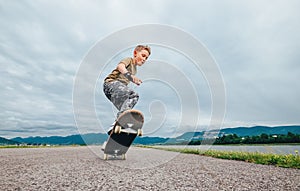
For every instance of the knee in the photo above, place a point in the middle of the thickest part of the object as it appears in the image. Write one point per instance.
(134, 95)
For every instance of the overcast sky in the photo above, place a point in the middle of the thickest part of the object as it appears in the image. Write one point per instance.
(254, 43)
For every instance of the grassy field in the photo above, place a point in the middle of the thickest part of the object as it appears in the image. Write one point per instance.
(34, 146)
(287, 161)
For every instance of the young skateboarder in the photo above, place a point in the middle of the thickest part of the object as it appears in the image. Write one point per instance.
(115, 85)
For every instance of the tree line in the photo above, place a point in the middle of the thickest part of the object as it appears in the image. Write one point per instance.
(259, 139)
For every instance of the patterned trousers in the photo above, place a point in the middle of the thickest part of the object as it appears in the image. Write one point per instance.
(120, 95)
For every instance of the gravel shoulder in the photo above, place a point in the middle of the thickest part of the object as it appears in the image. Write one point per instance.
(83, 168)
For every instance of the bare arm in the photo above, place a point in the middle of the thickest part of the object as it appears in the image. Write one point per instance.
(121, 67)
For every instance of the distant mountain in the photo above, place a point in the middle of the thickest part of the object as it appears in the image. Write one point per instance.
(91, 138)
(4, 141)
(258, 130)
(99, 138)
(241, 131)
(150, 140)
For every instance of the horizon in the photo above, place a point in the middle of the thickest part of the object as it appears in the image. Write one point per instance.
(292, 125)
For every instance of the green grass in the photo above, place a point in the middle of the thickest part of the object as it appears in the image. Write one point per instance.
(35, 146)
(287, 161)
(15, 146)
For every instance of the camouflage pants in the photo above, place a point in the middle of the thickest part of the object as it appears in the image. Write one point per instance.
(120, 95)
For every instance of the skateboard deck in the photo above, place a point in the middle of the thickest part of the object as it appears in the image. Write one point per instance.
(127, 127)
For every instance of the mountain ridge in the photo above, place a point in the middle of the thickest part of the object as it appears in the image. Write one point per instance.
(4, 141)
(99, 138)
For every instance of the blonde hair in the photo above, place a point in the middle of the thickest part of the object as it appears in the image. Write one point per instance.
(143, 47)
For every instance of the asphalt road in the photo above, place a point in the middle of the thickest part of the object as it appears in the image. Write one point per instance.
(83, 168)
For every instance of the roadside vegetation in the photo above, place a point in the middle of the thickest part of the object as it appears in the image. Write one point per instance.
(259, 139)
(35, 146)
(287, 161)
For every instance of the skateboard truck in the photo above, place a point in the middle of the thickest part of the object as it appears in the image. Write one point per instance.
(118, 129)
(115, 155)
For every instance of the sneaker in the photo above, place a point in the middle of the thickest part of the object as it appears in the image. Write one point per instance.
(103, 146)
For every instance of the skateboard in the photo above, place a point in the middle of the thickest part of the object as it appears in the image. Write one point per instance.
(127, 127)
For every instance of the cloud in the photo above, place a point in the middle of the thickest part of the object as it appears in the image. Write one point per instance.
(42, 45)
(259, 70)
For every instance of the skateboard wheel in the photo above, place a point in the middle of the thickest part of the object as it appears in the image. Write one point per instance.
(123, 157)
(117, 129)
(139, 132)
(105, 156)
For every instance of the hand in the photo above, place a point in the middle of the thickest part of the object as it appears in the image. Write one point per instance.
(136, 80)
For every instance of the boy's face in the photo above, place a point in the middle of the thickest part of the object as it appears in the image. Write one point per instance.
(140, 57)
